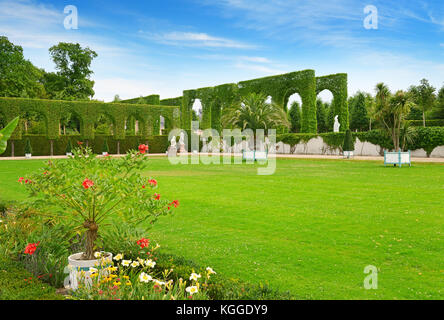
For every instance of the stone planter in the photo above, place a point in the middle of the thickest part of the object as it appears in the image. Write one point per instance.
(28, 155)
(79, 269)
(69, 154)
(104, 153)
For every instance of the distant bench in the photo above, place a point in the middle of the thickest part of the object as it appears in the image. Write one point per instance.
(397, 158)
(254, 155)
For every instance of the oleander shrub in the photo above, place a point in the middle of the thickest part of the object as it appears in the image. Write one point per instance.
(28, 147)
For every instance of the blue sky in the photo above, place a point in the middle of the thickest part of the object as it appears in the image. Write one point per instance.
(164, 47)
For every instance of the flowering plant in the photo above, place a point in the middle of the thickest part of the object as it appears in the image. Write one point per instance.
(90, 190)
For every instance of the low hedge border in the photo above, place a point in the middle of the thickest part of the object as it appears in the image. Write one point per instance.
(41, 145)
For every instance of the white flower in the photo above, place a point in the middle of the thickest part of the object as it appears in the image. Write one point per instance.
(118, 257)
(97, 254)
(210, 271)
(192, 290)
(159, 283)
(141, 261)
(145, 277)
(150, 263)
(93, 270)
(126, 263)
(135, 264)
(194, 276)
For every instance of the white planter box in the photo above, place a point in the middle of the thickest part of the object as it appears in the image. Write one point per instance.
(397, 158)
(28, 155)
(104, 153)
(79, 269)
(69, 153)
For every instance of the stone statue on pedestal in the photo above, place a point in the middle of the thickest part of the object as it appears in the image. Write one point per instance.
(337, 125)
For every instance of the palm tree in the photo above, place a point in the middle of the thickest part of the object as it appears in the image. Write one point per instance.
(391, 110)
(253, 112)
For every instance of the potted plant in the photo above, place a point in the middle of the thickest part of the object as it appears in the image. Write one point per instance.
(28, 149)
(68, 150)
(6, 133)
(348, 147)
(95, 192)
(105, 148)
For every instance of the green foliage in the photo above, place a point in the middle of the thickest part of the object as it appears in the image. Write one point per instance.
(98, 188)
(349, 144)
(88, 113)
(429, 123)
(105, 147)
(427, 138)
(295, 117)
(68, 146)
(18, 77)
(253, 112)
(438, 111)
(152, 99)
(16, 283)
(423, 96)
(321, 116)
(337, 85)
(6, 133)
(28, 147)
(358, 112)
(72, 80)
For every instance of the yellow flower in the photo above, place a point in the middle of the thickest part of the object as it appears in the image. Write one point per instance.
(150, 263)
(116, 283)
(97, 254)
(93, 270)
(135, 264)
(145, 277)
(128, 283)
(125, 277)
(210, 271)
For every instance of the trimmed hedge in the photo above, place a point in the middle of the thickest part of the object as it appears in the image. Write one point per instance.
(425, 138)
(41, 145)
(88, 113)
(429, 123)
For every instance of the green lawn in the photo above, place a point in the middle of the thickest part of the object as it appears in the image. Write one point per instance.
(310, 228)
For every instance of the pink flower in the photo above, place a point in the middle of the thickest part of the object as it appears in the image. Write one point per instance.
(21, 179)
(87, 183)
(156, 196)
(152, 182)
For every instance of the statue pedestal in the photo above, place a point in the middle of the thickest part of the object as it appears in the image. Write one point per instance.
(172, 151)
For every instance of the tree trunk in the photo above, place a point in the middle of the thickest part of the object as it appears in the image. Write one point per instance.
(370, 127)
(118, 147)
(52, 147)
(12, 148)
(423, 118)
(91, 236)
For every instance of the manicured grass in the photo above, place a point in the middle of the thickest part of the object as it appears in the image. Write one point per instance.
(310, 228)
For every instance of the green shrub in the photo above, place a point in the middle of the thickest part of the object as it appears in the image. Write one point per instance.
(68, 147)
(429, 123)
(349, 144)
(105, 147)
(28, 148)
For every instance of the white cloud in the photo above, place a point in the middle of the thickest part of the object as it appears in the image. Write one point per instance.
(262, 70)
(194, 40)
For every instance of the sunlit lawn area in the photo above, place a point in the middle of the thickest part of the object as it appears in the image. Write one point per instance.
(310, 228)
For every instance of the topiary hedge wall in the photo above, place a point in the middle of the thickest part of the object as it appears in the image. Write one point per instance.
(41, 146)
(425, 138)
(153, 99)
(88, 112)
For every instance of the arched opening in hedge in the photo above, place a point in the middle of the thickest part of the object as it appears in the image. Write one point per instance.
(33, 122)
(197, 110)
(325, 111)
(294, 109)
(70, 123)
(104, 124)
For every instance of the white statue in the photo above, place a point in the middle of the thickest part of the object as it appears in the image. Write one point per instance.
(173, 142)
(182, 138)
(337, 125)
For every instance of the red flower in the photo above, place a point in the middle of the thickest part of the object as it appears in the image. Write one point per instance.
(79, 143)
(143, 148)
(21, 179)
(175, 203)
(156, 196)
(31, 247)
(143, 243)
(143, 187)
(45, 173)
(87, 183)
(152, 182)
